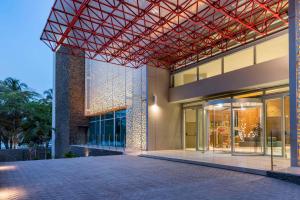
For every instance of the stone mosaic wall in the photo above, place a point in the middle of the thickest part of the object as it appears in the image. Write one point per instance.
(111, 87)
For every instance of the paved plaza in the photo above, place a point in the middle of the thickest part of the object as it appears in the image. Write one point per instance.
(132, 177)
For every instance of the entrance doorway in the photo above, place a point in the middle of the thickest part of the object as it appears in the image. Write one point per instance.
(248, 134)
(190, 126)
(239, 126)
(219, 126)
(235, 125)
(194, 137)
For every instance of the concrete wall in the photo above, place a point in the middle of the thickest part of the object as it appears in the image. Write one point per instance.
(164, 120)
(262, 75)
(70, 122)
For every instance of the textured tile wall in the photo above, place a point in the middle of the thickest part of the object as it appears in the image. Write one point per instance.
(110, 87)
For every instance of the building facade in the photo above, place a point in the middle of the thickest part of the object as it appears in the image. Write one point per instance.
(240, 101)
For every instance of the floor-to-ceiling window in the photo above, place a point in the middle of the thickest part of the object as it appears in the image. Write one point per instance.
(278, 125)
(108, 129)
(120, 128)
(94, 130)
(274, 127)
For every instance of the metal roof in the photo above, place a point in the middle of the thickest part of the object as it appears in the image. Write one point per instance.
(162, 33)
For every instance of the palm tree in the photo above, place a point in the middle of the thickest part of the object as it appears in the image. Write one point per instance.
(13, 96)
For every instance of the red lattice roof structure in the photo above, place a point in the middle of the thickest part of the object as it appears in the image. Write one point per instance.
(161, 33)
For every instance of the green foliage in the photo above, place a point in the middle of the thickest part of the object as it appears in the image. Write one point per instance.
(25, 116)
(70, 154)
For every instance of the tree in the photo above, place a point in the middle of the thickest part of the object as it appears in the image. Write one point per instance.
(37, 124)
(13, 97)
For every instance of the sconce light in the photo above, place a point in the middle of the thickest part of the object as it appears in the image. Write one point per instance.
(154, 99)
(154, 104)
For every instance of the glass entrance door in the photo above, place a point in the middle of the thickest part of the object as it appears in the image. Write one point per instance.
(190, 126)
(219, 126)
(247, 127)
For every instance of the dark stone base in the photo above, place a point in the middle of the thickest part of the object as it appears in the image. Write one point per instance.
(11, 155)
(85, 151)
(285, 177)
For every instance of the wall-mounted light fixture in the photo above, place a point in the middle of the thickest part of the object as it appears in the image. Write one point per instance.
(154, 103)
(154, 99)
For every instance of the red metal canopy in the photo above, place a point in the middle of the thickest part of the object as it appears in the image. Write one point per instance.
(161, 33)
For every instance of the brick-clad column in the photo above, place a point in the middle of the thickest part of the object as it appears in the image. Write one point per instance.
(294, 66)
(69, 92)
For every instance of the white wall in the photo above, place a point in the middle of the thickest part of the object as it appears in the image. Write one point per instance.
(164, 119)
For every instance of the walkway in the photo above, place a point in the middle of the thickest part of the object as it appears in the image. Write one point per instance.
(250, 163)
(132, 177)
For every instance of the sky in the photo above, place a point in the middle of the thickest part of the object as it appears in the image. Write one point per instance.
(22, 55)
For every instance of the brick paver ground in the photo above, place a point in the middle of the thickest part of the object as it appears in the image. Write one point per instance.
(130, 177)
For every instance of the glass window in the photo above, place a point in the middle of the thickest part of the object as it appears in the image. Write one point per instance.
(185, 77)
(102, 136)
(121, 113)
(271, 49)
(239, 60)
(210, 69)
(105, 132)
(108, 115)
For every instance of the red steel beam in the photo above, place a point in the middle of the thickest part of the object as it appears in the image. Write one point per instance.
(132, 33)
(72, 23)
(276, 15)
(218, 8)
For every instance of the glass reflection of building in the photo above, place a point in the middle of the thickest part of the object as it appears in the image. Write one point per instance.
(108, 129)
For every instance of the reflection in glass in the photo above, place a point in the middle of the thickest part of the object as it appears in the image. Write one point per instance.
(247, 127)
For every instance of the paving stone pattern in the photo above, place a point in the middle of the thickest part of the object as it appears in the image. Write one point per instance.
(135, 178)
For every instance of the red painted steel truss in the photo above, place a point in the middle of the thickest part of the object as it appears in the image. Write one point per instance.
(161, 33)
